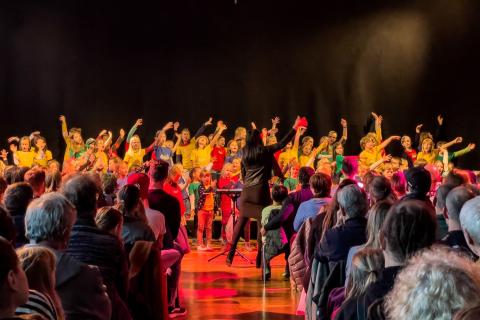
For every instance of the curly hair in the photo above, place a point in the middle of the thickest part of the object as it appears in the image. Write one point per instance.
(436, 283)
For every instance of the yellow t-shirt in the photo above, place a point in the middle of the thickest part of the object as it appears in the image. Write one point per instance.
(209, 202)
(186, 153)
(41, 159)
(201, 157)
(25, 158)
(369, 157)
(134, 158)
(428, 157)
(302, 161)
(102, 157)
(286, 156)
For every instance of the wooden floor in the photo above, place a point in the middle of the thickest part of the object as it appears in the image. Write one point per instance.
(211, 290)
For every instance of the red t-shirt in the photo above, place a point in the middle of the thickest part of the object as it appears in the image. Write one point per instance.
(219, 153)
(412, 154)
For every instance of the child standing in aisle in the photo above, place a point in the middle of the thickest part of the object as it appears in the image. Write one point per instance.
(206, 206)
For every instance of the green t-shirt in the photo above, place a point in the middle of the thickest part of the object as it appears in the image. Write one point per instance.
(193, 189)
(290, 183)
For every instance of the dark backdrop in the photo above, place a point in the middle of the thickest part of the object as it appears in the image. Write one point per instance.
(105, 63)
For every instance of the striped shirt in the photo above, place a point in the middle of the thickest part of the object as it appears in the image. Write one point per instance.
(38, 303)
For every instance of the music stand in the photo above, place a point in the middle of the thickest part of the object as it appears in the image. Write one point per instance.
(233, 194)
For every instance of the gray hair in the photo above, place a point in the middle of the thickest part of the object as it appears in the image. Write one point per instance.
(455, 201)
(353, 201)
(49, 217)
(470, 218)
(435, 284)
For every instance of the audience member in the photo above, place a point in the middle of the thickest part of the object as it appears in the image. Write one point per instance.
(470, 222)
(16, 200)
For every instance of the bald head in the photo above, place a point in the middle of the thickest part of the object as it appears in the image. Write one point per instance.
(455, 200)
(470, 222)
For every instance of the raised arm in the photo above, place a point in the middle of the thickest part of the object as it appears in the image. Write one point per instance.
(133, 129)
(177, 143)
(63, 121)
(288, 137)
(416, 141)
(315, 152)
(378, 126)
(119, 141)
(451, 143)
(464, 151)
(386, 158)
(218, 132)
(386, 142)
(344, 137)
(203, 127)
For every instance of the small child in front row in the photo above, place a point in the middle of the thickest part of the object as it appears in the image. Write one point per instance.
(274, 240)
(206, 208)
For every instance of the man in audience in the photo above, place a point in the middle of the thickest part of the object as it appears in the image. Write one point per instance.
(410, 226)
(470, 222)
(337, 241)
(49, 221)
(16, 200)
(90, 245)
(456, 198)
(419, 182)
(13, 281)
(36, 179)
(440, 207)
(168, 205)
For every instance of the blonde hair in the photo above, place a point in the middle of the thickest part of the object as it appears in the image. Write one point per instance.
(39, 266)
(225, 167)
(436, 283)
(369, 137)
(198, 139)
(366, 266)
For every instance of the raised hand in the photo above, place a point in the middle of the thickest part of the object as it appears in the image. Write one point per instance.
(275, 121)
(395, 138)
(440, 119)
(343, 122)
(62, 118)
(458, 139)
(103, 132)
(418, 127)
(254, 126)
(122, 133)
(13, 147)
(209, 121)
(471, 146)
(387, 158)
(296, 123)
(176, 125)
(139, 122)
(3, 154)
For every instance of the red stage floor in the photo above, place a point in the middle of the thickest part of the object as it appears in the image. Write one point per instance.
(211, 290)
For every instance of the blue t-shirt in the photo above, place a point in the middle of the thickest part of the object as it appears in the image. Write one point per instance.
(163, 153)
(308, 209)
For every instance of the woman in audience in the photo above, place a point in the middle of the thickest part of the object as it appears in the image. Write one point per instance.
(135, 226)
(39, 266)
(16, 200)
(380, 189)
(13, 281)
(434, 285)
(110, 220)
(366, 266)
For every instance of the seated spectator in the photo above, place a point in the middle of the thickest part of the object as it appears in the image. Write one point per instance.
(39, 265)
(409, 227)
(376, 217)
(470, 222)
(16, 200)
(440, 207)
(399, 185)
(53, 180)
(7, 228)
(274, 241)
(337, 241)
(418, 184)
(110, 220)
(135, 225)
(109, 187)
(456, 198)
(380, 189)
(320, 185)
(36, 179)
(13, 282)
(49, 221)
(366, 266)
(434, 285)
(90, 245)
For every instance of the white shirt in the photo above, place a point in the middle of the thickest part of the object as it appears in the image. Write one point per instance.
(156, 221)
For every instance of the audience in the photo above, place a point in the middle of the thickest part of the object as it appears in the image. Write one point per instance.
(16, 200)
(470, 222)
(434, 285)
(49, 222)
(418, 184)
(39, 266)
(13, 281)
(90, 245)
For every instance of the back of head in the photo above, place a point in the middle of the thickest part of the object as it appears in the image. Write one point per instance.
(455, 201)
(441, 196)
(81, 190)
(17, 197)
(376, 217)
(128, 196)
(10, 298)
(160, 171)
(353, 201)
(435, 284)
(399, 185)
(304, 175)
(108, 218)
(279, 193)
(409, 227)
(7, 228)
(50, 217)
(109, 183)
(470, 219)
(53, 180)
(321, 185)
(454, 180)
(141, 181)
(418, 180)
(39, 265)
(366, 266)
(36, 179)
(380, 188)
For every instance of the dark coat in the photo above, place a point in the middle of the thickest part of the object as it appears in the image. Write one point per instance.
(81, 289)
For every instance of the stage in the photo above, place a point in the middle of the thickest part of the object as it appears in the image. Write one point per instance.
(211, 290)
